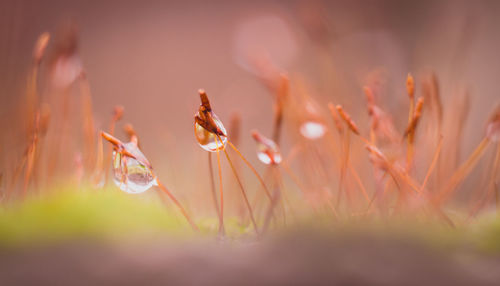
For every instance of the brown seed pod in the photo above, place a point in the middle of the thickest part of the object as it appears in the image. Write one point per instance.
(126, 149)
(416, 117)
(350, 123)
(370, 97)
(40, 47)
(111, 139)
(204, 100)
(410, 86)
(336, 119)
(204, 116)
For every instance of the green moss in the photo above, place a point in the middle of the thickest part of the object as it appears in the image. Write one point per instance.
(87, 213)
(110, 214)
(485, 234)
(100, 214)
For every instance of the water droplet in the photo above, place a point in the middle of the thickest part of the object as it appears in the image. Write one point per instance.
(312, 130)
(268, 155)
(132, 174)
(206, 139)
(66, 70)
(267, 151)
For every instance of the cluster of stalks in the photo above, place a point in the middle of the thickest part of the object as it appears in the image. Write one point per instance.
(334, 166)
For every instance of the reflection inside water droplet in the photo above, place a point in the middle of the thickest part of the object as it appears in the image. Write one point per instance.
(312, 130)
(207, 139)
(66, 71)
(129, 174)
(268, 153)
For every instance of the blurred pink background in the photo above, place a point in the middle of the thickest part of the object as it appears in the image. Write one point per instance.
(153, 56)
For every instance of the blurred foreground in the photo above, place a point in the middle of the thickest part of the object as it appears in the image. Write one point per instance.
(295, 259)
(108, 239)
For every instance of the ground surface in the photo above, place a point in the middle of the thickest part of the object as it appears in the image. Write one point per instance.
(107, 238)
(300, 259)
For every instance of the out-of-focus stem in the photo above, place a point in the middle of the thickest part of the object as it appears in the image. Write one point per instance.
(220, 210)
(251, 168)
(462, 171)
(176, 202)
(243, 192)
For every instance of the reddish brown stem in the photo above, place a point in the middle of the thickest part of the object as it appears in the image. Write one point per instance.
(243, 192)
(221, 213)
(176, 202)
(261, 181)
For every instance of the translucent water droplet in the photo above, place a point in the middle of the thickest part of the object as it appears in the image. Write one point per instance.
(132, 175)
(267, 150)
(207, 139)
(268, 155)
(312, 130)
(66, 71)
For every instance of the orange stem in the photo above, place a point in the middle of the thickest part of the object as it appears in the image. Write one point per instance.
(221, 213)
(176, 202)
(242, 191)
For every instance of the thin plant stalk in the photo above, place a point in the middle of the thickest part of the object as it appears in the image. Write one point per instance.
(278, 186)
(343, 167)
(269, 215)
(296, 181)
(29, 166)
(98, 175)
(243, 192)
(462, 171)
(256, 203)
(358, 180)
(220, 210)
(492, 188)
(410, 86)
(284, 195)
(434, 161)
(117, 115)
(176, 202)
(88, 120)
(251, 168)
(270, 211)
